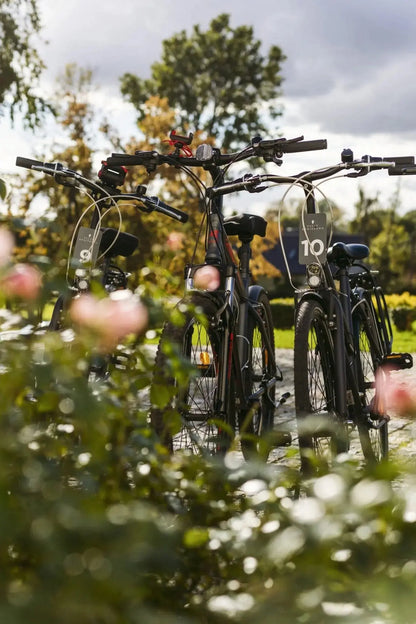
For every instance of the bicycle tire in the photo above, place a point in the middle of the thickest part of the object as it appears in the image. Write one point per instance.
(190, 420)
(373, 426)
(321, 433)
(257, 422)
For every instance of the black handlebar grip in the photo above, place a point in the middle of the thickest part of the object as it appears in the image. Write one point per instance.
(304, 146)
(402, 170)
(28, 163)
(130, 159)
(160, 206)
(400, 160)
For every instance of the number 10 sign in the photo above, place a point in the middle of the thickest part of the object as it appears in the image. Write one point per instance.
(312, 238)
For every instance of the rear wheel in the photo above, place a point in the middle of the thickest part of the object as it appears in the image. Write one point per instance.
(187, 366)
(322, 435)
(256, 424)
(373, 425)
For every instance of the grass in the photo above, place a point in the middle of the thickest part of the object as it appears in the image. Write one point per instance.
(403, 341)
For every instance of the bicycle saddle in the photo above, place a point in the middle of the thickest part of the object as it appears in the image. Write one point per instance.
(245, 225)
(116, 243)
(341, 253)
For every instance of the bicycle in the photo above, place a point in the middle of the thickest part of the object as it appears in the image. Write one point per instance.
(95, 249)
(343, 335)
(226, 337)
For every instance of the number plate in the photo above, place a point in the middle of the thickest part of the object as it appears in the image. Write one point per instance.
(86, 247)
(312, 238)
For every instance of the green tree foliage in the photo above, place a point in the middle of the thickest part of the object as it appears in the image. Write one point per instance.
(369, 216)
(217, 80)
(20, 65)
(391, 239)
(48, 232)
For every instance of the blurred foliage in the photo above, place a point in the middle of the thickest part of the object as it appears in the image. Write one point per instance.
(99, 524)
(20, 64)
(217, 80)
(3, 189)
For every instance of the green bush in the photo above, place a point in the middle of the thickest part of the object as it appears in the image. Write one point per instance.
(403, 317)
(282, 313)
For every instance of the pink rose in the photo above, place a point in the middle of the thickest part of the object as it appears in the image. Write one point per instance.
(207, 277)
(397, 395)
(22, 281)
(111, 318)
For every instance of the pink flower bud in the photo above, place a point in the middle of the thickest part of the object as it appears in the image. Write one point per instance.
(22, 281)
(6, 246)
(207, 277)
(175, 241)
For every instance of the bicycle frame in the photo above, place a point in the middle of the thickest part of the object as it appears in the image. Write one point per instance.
(236, 304)
(337, 301)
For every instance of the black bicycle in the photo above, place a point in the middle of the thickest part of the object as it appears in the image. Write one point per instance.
(225, 383)
(343, 334)
(95, 250)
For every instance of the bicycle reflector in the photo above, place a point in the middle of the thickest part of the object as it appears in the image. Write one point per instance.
(204, 359)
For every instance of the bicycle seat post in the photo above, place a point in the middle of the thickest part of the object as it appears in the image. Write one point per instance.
(244, 254)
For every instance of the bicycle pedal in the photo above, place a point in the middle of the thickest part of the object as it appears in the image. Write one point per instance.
(398, 361)
(283, 399)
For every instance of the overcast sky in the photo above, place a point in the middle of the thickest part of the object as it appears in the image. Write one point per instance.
(350, 73)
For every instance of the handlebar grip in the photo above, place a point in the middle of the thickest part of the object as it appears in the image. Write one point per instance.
(29, 163)
(304, 146)
(160, 206)
(140, 158)
(404, 169)
(234, 187)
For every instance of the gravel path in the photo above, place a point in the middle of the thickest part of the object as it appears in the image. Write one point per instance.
(402, 431)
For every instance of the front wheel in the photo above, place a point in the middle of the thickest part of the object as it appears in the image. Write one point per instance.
(322, 434)
(187, 367)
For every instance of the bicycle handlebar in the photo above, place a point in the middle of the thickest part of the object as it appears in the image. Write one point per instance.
(57, 169)
(251, 183)
(206, 155)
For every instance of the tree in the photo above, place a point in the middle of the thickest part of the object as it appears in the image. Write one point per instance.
(20, 64)
(218, 81)
(369, 216)
(48, 234)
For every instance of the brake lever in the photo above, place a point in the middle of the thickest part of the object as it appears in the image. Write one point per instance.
(64, 179)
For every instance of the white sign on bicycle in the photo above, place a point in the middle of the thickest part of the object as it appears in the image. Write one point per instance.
(313, 238)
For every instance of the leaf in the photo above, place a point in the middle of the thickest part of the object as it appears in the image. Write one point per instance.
(3, 189)
(195, 537)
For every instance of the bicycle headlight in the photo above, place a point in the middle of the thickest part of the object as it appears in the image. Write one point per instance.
(314, 275)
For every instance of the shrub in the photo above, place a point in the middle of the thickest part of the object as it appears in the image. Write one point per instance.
(282, 313)
(99, 525)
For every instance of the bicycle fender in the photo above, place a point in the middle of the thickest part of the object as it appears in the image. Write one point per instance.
(254, 292)
(309, 295)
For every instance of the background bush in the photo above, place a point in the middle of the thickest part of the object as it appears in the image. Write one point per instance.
(283, 313)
